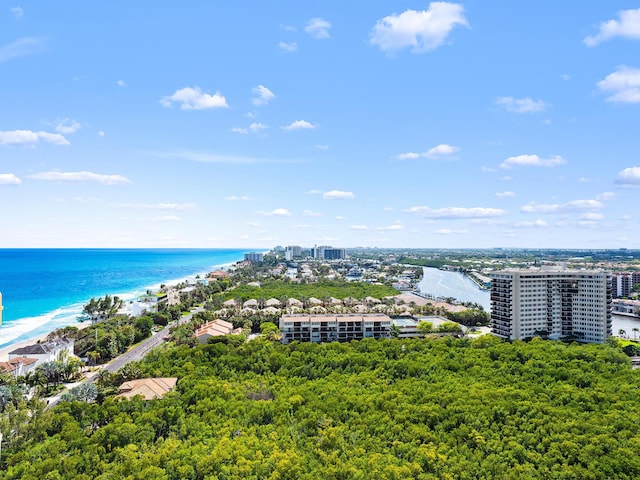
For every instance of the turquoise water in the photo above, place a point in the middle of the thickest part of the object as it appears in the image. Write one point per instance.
(441, 283)
(44, 289)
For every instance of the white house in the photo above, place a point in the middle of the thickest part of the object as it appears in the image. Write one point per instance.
(45, 352)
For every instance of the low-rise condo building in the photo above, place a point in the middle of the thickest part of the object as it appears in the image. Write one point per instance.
(332, 328)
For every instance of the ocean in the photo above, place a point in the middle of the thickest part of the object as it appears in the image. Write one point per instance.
(45, 289)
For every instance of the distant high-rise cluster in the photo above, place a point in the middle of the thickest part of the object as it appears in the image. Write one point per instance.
(328, 253)
(1, 308)
(551, 301)
(623, 282)
(292, 251)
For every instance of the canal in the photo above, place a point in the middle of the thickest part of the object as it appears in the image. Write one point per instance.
(442, 283)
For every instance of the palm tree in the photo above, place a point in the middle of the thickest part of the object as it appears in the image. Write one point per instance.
(622, 332)
(635, 332)
(93, 356)
(51, 372)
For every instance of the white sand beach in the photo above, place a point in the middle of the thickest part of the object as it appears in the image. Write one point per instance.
(4, 352)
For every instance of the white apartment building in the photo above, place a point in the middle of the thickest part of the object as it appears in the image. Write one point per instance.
(551, 301)
(254, 257)
(292, 251)
(328, 253)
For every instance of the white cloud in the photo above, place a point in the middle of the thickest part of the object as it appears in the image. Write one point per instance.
(178, 207)
(521, 105)
(121, 83)
(67, 126)
(337, 194)
(627, 26)
(456, 212)
(487, 221)
(9, 179)
(53, 138)
(81, 177)
(358, 227)
(395, 226)
(311, 213)
(505, 194)
(194, 99)
(28, 137)
(174, 206)
(288, 47)
(448, 231)
(262, 95)
(565, 77)
(571, 206)
(101, 133)
(629, 176)
(606, 196)
(623, 85)
(314, 192)
(21, 48)
(18, 12)
(433, 153)
(257, 127)
(591, 216)
(318, 28)
(340, 217)
(278, 212)
(205, 157)
(439, 150)
(422, 31)
(532, 224)
(235, 198)
(322, 147)
(299, 125)
(407, 156)
(166, 218)
(532, 161)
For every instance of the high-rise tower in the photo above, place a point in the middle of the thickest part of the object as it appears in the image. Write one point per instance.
(551, 301)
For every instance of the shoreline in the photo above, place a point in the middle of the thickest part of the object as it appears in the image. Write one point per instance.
(38, 333)
(4, 351)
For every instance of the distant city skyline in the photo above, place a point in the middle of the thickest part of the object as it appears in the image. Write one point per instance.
(473, 124)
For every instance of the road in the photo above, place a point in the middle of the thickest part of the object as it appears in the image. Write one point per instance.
(135, 354)
(139, 351)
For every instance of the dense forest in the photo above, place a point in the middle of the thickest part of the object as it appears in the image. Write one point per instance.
(388, 409)
(280, 289)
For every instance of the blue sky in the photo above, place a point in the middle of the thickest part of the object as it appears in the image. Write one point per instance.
(252, 124)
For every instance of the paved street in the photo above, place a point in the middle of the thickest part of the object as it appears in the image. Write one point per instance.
(133, 355)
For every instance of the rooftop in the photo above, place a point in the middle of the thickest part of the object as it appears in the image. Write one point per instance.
(148, 388)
